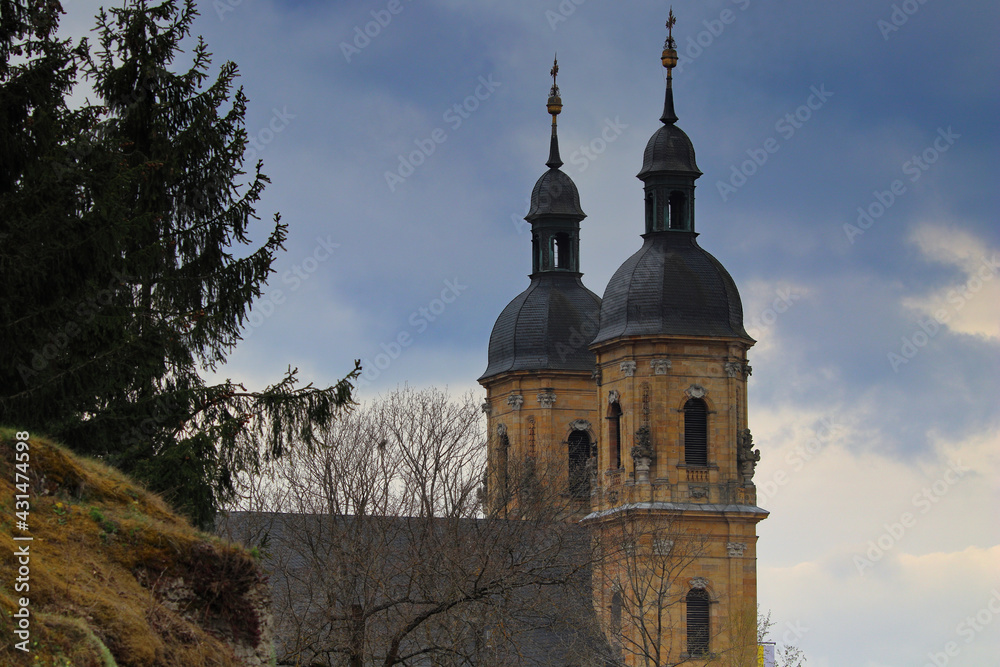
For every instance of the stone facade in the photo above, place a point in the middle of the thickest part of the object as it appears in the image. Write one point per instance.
(537, 433)
(668, 494)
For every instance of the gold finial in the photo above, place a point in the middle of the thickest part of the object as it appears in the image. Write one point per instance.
(669, 57)
(555, 102)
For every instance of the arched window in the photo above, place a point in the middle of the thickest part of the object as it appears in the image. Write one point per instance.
(616, 615)
(615, 435)
(503, 455)
(536, 253)
(678, 210)
(579, 452)
(696, 432)
(697, 622)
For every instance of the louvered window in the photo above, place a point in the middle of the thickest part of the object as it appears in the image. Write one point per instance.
(696, 432)
(697, 622)
(579, 452)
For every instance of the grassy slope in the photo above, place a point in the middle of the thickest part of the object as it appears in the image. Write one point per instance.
(105, 556)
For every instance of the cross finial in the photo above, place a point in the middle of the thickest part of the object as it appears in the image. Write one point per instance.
(671, 22)
(554, 106)
(554, 72)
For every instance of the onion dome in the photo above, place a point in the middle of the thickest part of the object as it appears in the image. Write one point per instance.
(671, 286)
(549, 326)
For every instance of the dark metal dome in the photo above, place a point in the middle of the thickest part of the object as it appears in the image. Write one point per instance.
(669, 149)
(671, 286)
(555, 193)
(548, 326)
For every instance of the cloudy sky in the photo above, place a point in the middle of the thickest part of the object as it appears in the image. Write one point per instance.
(850, 186)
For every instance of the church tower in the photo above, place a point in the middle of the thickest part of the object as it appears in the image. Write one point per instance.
(675, 508)
(539, 384)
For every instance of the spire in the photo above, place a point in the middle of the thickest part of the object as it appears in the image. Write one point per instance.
(554, 106)
(669, 60)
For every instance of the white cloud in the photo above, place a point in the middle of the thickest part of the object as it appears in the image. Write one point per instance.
(875, 551)
(970, 305)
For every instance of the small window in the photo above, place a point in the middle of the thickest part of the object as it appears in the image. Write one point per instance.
(616, 614)
(579, 452)
(697, 622)
(503, 455)
(615, 435)
(678, 214)
(696, 432)
(562, 251)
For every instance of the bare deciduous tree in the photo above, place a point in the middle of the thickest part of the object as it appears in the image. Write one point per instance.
(381, 555)
(643, 563)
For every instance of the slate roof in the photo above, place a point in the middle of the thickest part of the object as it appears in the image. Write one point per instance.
(546, 327)
(669, 150)
(555, 194)
(671, 286)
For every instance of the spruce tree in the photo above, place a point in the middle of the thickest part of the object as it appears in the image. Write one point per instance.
(140, 273)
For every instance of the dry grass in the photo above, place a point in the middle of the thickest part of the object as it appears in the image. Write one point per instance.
(116, 577)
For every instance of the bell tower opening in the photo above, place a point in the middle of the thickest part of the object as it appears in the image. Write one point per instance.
(678, 210)
(698, 619)
(696, 432)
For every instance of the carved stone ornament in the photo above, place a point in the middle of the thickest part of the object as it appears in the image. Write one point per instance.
(735, 369)
(596, 375)
(628, 368)
(660, 366)
(613, 396)
(515, 401)
(662, 547)
(642, 455)
(735, 549)
(501, 430)
(487, 410)
(746, 456)
(546, 399)
(696, 391)
(701, 583)
(580, 425)
(698, 491)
